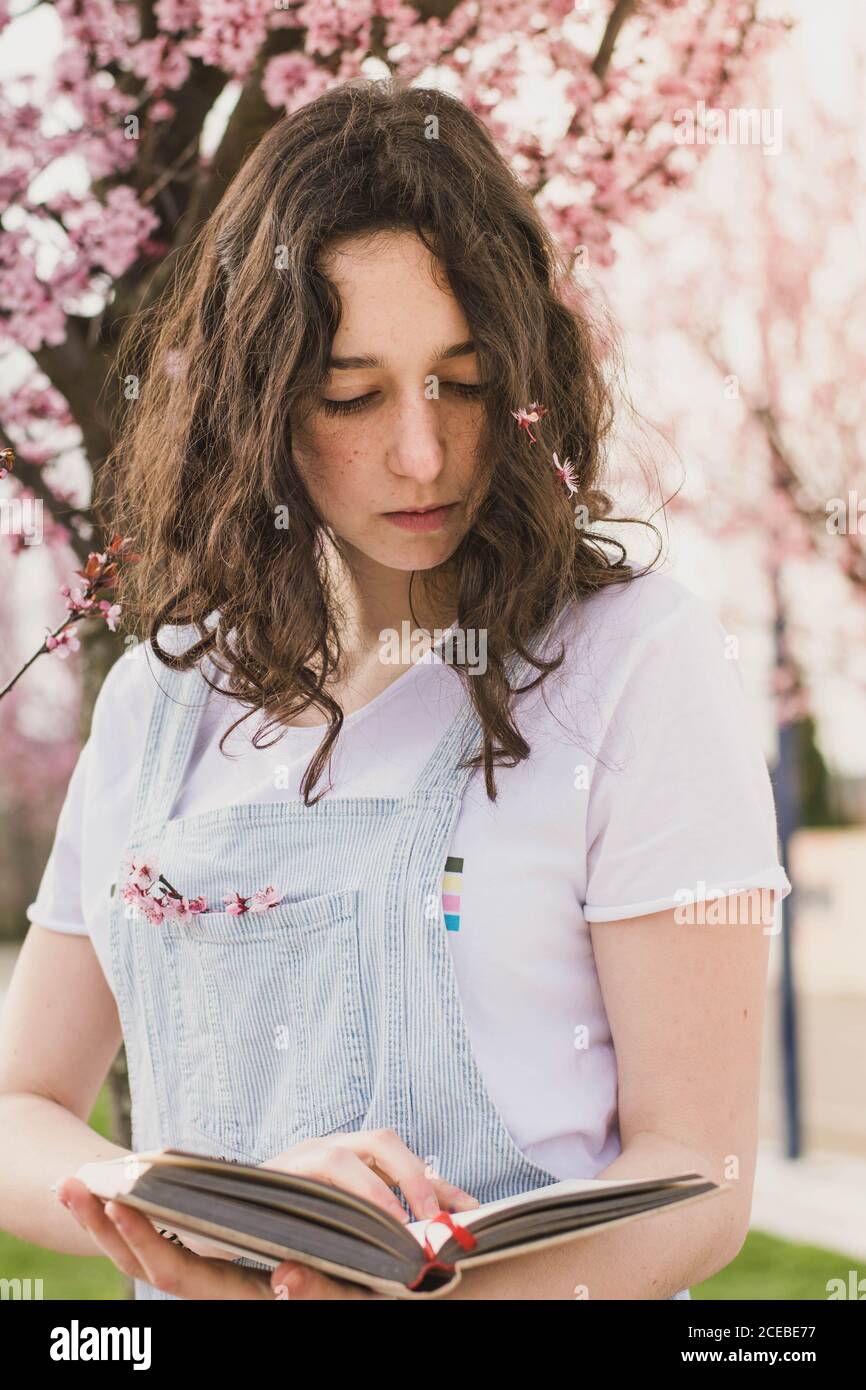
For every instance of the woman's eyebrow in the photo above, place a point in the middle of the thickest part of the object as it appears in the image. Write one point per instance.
(345, 364)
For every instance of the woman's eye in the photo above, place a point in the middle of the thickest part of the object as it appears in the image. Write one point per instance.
(463, 388)
(343, 407)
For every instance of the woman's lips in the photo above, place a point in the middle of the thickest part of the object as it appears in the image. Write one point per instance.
(421, 521)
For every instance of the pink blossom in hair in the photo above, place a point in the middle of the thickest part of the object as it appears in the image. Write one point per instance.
(525, 418)
(565, 472)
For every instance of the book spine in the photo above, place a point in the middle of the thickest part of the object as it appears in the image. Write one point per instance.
(425, 1270)
(465, 1238)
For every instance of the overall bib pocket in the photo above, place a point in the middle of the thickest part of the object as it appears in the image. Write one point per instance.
(267, 1019)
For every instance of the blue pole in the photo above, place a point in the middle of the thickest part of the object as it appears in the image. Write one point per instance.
(787, 794)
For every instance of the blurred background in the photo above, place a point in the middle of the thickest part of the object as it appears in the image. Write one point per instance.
(701, 165)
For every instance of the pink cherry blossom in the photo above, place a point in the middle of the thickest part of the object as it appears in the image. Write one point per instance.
(525, 418)
(565, 472)
(181, 907)
(152, 909)
(160, 62)
(131, 893)
(99, 572)
(141, 872)
(143, 880)
(108, 234)
(64, 643)
(111, 612)
(264, 898)
(78, 602)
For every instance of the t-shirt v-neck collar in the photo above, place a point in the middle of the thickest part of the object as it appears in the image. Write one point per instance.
(431, 657)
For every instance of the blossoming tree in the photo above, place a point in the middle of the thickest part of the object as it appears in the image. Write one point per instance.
(134, 84)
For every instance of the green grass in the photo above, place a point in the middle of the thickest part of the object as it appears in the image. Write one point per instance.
(766, 1269)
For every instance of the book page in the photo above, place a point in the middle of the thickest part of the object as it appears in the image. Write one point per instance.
(437, 1232)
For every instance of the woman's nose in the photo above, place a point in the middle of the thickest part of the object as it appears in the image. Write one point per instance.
(418, 447)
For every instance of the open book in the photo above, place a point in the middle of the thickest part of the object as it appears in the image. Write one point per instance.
(271, 1216)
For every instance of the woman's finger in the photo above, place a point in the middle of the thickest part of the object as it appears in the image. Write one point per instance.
(343, 1168)
(294, 1281)
(176, 1271)
(208, 1249)
(128, 1239)
(90, 1214)
(381, 1161)
(424, 1189)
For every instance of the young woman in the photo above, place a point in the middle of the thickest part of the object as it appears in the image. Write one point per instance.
(423, 931)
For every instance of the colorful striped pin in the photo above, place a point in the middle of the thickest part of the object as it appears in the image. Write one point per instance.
(452, 881)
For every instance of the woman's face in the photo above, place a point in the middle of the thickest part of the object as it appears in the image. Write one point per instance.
(398, 432)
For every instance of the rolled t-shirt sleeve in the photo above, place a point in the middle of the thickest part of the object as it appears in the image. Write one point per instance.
(680, 802)
(58, 900)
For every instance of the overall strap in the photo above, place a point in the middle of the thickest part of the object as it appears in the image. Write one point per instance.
(174, 721)
(465, 735)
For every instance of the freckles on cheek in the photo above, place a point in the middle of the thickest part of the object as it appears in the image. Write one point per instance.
(340, 485)
(345, 466)
(326, 465)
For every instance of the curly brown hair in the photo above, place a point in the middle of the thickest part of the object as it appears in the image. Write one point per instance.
(237, 348)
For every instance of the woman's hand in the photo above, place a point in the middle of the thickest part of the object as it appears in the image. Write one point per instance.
(295, 1281)
(369, 1163)
(127, 1237)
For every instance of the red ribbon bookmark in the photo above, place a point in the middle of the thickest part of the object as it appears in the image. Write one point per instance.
(465, 1238)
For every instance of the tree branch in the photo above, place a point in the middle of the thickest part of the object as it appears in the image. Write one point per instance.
(785, 474)
(618, 16)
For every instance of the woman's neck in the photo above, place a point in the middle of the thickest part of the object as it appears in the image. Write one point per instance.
(371, 599)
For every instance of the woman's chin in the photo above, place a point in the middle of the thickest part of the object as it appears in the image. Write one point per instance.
(412, 552)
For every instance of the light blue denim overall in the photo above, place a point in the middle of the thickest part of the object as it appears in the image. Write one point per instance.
(338, 1009)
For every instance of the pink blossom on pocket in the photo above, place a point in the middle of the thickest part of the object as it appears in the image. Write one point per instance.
(143, 878)
(141, 870)
(152, 908)
(264, 898)
(181, 907)
(131, 893)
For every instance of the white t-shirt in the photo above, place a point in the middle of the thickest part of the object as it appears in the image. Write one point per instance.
(645, 781)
